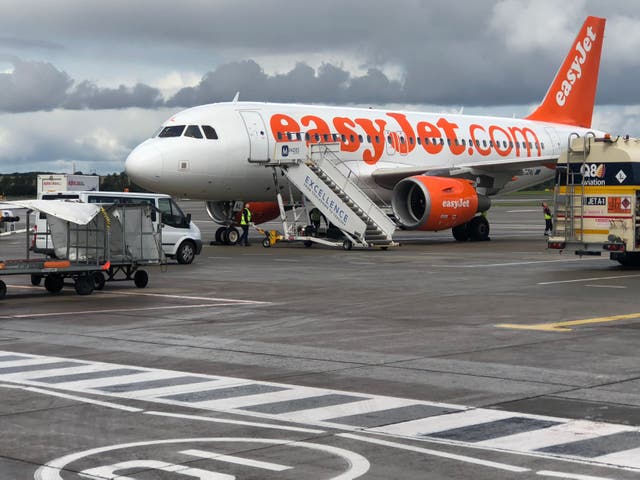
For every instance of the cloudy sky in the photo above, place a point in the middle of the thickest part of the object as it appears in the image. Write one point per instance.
(84, 81)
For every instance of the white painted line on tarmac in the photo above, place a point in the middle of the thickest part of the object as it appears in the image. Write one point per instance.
(588, 279)
(511, 264)
(188, 297)
(436, 453)
(522, 211)
(606, 286)
(126, 408)
(73, 397)
(274, 467)
(572, 476)
(234, 422)
(112, 310)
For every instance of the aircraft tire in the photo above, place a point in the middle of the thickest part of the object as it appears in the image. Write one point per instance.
(3, 289)
(347, 245)
(36, 280)
(219, 234)
(461, 232)
(230, 236)
(479, 229)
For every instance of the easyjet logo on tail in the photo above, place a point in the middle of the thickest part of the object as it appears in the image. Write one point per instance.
(574, 72)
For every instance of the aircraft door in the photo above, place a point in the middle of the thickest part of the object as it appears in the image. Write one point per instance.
(258, 139)
(555, 140)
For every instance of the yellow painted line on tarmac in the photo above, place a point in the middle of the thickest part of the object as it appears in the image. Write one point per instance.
(565, 326)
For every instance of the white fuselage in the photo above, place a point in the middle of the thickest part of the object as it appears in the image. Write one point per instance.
(226, 168)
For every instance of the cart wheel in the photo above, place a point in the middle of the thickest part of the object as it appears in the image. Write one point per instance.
(53, 283)
(3, 289)
(84, 284)
(98, 280)
(141, 278)
(347, 245)
(36, 280)
(266, 243)
(308, 243)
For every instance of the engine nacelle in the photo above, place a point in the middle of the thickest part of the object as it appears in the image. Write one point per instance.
(228, 212)
(436, 203)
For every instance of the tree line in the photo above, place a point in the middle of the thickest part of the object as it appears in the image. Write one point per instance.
(14, 185)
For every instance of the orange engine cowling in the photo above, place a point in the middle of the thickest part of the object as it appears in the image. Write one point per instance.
(435, 203)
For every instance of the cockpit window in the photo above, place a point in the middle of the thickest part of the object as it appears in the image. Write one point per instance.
(209, 132)
(193, 131)
(172, 131)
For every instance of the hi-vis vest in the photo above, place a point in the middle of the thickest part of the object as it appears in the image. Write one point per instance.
(246, 217)
(547, 214)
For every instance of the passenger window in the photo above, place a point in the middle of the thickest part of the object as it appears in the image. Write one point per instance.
(209, 132)
(279, 135)
(360, 138)
(193, 131)
(171, 131)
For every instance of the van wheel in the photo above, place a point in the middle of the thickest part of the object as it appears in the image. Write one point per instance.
(266, 243)
(186, 252)
(141, 279)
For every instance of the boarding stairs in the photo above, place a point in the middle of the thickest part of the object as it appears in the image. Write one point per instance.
(314, 171)
(569, 205)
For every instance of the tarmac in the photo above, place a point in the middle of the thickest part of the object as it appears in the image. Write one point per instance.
(437, 359)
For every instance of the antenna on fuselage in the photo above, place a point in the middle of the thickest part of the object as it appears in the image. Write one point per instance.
(235, 99)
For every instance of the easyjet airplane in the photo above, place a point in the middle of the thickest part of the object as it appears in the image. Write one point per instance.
(430, 166)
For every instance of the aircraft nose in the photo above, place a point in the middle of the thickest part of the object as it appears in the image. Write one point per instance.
(144, 165)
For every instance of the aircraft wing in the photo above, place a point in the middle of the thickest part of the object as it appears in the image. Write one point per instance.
(388, 177)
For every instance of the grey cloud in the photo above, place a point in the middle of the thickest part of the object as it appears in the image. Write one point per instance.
(26, 43)
(32, 86)
(87, 95)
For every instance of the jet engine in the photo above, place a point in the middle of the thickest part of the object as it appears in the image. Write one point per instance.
(437, 203)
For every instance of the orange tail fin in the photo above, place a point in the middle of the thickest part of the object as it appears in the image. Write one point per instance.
(572, 94)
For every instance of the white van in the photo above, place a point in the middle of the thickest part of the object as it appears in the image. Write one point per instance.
(181, 238)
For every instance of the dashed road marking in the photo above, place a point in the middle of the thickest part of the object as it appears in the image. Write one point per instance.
(579, 441)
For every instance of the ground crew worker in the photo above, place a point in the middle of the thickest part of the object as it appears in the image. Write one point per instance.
(548, 227)
(315, 216)
(245, 220)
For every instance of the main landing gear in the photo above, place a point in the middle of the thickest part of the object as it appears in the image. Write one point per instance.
(227, 235)
(476, 230)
